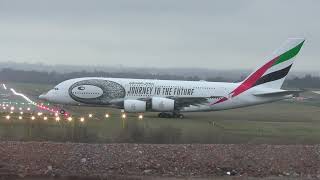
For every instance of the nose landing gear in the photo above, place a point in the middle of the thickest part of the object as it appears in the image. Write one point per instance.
(170, 115)
(62, 111)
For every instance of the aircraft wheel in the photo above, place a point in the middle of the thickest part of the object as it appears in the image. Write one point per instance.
(170, 115)
(62, 111)
(161, 115)
(177, 115)
(180, 116)
(167, 115)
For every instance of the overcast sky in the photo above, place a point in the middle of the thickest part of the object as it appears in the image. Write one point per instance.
(225, 34)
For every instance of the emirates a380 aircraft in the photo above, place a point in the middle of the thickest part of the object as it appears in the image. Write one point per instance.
(171, 98)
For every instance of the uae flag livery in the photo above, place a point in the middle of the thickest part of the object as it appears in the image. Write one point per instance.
(272, 73)
(279, 71)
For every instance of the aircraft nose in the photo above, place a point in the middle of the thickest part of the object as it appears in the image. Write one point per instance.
(43, 96)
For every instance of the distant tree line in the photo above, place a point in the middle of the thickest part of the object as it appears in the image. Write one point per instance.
(307, 81)
(11, 75)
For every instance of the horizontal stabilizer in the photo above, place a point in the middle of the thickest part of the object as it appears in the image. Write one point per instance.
(279, 93)
(316, 92)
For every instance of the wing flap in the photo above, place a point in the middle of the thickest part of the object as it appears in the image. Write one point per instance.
(191, 101)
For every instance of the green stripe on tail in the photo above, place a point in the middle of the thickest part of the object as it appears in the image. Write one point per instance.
(289, 54)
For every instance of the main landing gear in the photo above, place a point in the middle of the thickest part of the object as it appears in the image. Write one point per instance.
(170, 115)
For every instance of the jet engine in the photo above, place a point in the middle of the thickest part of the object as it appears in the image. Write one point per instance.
(134, 106)
(162, 104)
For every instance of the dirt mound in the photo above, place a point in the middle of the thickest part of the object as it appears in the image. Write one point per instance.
(183, 160)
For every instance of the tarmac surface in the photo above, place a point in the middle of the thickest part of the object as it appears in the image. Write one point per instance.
(133, 161)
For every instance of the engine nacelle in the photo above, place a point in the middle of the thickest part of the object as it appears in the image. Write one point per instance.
(134, 106)
(162, 104)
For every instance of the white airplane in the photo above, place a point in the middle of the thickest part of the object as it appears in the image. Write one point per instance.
(172, 97)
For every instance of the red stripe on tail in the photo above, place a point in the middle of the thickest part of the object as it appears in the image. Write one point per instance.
(249, 82)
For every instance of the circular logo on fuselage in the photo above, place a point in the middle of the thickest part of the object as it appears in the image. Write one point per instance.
(87, 91)
(96, 91)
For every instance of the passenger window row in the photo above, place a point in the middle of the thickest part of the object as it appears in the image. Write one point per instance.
(204, 88)
(198, 87)
(84, 93)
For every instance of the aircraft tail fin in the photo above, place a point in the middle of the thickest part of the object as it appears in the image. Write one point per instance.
(273, 73)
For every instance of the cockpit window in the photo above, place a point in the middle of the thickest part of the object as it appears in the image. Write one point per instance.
(56, 88)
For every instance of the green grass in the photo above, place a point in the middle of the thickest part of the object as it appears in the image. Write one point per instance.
(283, 122)
(33, 90)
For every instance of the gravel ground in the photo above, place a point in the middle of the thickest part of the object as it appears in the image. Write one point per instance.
(158, 160)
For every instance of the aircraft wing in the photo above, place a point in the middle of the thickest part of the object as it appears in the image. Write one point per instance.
(191, 101)
(279, 93)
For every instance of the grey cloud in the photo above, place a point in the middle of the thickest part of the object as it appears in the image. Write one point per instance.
(182, 33)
